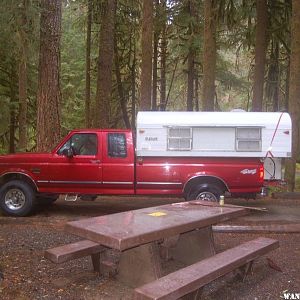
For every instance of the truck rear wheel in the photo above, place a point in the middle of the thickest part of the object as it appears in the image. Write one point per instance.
(17, 198)
(207, 192)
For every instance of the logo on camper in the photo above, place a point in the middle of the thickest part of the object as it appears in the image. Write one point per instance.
(248, 171)
(151, 139)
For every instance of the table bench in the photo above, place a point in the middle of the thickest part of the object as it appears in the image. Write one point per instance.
(76, 250)
(190, 279)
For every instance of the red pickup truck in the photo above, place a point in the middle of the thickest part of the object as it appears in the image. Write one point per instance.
(103, 162)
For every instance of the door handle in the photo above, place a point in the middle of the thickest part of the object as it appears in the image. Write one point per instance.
(95, 161)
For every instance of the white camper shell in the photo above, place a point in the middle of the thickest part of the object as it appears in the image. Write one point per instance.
(215, 134)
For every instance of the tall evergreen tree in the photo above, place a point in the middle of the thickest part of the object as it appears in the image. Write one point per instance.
(146, 68)
(163, 57)
(261, 45)
(191, 57)
(294, 93)
(209, 55)
(88, 64)
(49, 94)
(105, 64)
(22, 24)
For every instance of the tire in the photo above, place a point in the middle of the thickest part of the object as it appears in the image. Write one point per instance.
(45, 200)
(207, 192)
(17, 198)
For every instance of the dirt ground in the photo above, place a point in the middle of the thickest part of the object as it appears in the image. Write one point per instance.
(26, 274)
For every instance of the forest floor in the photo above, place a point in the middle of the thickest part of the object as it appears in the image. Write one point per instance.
(26, 274)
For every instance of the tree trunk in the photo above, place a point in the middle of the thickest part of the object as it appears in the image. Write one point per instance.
(23, 104)
(294, 93)
(105, 64)
(88, 65)
(163, 59)
(49, 94)
(260, 54)
(154, 79)
(171, 83)
(196, 92)
(12, 113)
(191, 58)
(146, 68)
(209, 55)
(190, 89)
(123, 101)
(287, 85)
(133, 91)
(12, 129)
(276, 106)
(23, 79)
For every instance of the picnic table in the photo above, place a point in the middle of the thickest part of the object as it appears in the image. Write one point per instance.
(182, 231)
(133, 246)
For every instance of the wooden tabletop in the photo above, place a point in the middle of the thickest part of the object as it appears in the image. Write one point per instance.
(136, 227)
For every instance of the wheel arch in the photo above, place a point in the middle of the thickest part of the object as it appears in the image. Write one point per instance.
(18, 176)
(204, 179)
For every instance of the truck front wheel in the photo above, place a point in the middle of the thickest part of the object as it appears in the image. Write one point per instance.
(17, 198)
(207, 192)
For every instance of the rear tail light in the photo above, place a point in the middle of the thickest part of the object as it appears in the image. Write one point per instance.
(261, 173)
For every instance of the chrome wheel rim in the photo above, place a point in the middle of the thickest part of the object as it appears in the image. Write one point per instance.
(207, 196)
(15, 199)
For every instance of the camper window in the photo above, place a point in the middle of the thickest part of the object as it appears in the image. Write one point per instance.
(179, 138)
(248, 139)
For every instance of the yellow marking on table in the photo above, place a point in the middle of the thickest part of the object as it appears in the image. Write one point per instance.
(157, 214)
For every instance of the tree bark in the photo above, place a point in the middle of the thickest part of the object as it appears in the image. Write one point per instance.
(190, 89)
(146, 68)
(88, 65)
(133, 90)
(209, 55)
(154, 79)
(191, 58)
(287, 85)
(123, 101)
(22, 104)
(12, 112)
(276, 105)
(105, 64)
(196, 92)
(294, 93)
(163, 59)
(49, 94)
(260, 54)
(23, 78)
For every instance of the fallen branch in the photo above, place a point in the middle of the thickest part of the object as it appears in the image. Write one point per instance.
(286, 195)
(214, 204)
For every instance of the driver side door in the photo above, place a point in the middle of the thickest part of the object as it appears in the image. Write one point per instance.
(82, 172)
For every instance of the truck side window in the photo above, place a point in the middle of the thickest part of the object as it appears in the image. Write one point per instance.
(82, 144)
(116, 143)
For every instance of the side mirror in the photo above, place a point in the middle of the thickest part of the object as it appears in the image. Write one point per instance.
(68, 152)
